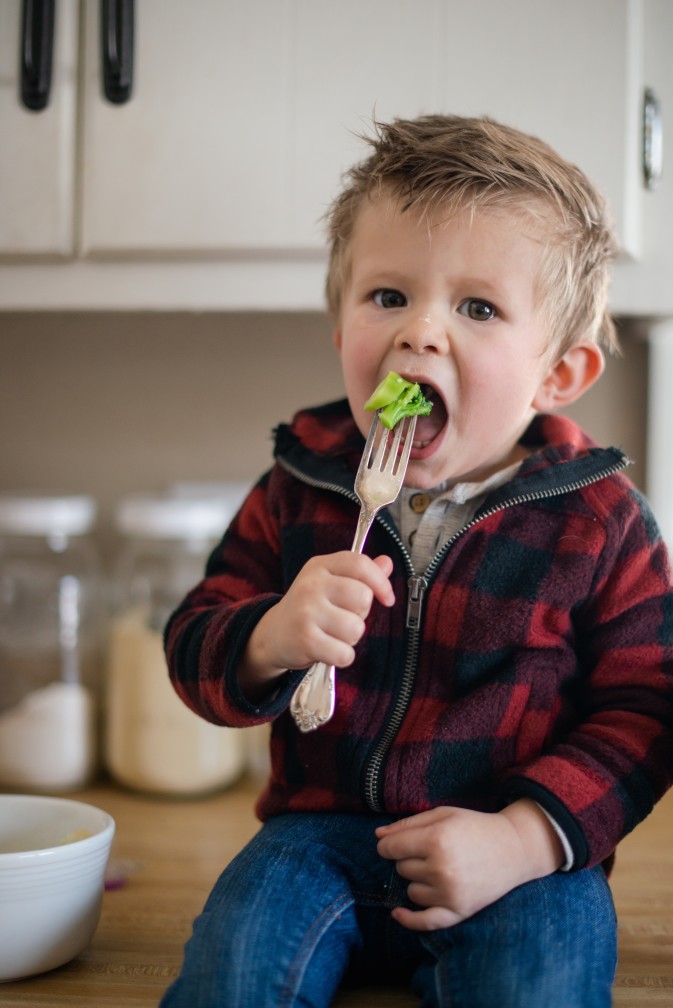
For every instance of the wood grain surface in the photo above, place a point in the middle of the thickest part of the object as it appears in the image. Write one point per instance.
(172, 851)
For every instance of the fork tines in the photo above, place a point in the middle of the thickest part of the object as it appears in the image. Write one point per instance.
(389, 452)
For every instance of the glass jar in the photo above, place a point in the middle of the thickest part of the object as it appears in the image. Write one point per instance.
(154, 742)
(50, 635)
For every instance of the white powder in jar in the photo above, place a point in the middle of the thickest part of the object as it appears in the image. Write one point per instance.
(153, 741)
(47, 740)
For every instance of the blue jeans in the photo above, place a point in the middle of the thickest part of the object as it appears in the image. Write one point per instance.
(306, 906)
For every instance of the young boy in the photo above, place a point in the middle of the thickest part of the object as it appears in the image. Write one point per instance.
(504, 647)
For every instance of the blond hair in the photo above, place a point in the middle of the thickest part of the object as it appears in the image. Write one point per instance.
(450, 163)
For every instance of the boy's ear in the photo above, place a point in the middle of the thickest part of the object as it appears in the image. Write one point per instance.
(336, 338)
(570, 377)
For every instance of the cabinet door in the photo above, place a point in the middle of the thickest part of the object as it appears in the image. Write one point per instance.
(244, 116)
(567, 72)
(242, 119)
(196, 161)
(354, 62)
(645, 287)
(37, 167)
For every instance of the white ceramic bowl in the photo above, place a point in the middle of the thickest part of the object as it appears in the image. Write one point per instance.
(53, 853)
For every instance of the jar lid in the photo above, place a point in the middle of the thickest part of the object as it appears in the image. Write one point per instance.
(170, 517)
(46, 514)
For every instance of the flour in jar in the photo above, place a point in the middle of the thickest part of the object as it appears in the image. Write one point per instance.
(47, 739)
(153, 741)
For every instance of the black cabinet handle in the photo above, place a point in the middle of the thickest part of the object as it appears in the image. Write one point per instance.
(117, 17)
(653, 144)
(37, 42)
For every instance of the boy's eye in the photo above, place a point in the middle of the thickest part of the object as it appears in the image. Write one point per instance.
(478, 311)
(387, 298)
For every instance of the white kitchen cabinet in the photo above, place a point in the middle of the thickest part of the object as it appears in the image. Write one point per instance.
(243, 115)
(37, 166)
(645, 287)
(239, 124)
(207, 189)
(570, 73)
(196, 161)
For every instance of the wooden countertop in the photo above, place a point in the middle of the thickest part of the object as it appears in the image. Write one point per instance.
(174, 851)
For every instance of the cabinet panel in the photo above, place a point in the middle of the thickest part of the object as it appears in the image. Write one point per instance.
(243, 118)
(196, 160)
(207, 189)
(37, 167)
(354, 62)
(646, 287)
(567, 72)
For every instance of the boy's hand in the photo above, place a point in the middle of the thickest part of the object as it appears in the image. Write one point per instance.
(458, 861)
(321, 617)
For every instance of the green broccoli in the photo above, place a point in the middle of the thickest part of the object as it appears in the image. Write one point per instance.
(395, 397)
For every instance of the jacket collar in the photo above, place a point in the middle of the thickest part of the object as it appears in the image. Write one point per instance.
(324, 444)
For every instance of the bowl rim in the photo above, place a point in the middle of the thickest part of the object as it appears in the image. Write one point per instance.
(102, 835)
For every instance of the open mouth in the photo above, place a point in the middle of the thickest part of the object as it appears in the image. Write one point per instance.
(429, 427)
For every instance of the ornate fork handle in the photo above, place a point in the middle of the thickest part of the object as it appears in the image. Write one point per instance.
(377, 483)
(313, 701)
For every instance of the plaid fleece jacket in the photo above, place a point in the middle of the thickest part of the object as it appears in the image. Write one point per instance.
(533, 658)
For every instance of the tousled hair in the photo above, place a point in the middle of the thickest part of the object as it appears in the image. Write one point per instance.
(446, 163)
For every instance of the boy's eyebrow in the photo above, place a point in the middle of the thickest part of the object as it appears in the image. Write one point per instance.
(380, 276)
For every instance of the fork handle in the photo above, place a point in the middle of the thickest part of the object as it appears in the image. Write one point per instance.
(312, 703)
(365, 519)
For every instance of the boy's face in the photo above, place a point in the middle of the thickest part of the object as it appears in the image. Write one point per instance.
(450, 304)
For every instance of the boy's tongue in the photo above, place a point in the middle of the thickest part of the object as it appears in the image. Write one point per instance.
(428, 427)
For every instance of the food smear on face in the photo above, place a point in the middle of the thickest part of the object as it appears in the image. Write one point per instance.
(395, 398)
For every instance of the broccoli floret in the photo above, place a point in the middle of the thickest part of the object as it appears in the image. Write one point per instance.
(395, 398)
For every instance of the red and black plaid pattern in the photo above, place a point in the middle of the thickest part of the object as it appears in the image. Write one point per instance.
(544, 665)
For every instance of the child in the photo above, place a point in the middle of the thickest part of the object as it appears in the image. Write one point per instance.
(504, 649)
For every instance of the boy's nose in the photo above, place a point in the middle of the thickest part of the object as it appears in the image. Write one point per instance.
(423, 334)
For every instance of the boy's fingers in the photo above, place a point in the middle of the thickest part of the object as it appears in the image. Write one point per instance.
(374, 573)
(419, 819)
(400, 846)
(413, 869)
(432, 919)
(385, 563)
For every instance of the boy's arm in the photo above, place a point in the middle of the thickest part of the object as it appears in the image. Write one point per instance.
(234, 643)
(320, 618)
(603, 777)
(208, 633)
(596, 782)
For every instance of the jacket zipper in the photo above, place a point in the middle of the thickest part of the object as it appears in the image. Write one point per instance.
(417, 585)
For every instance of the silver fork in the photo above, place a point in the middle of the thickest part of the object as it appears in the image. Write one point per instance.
(378, 481)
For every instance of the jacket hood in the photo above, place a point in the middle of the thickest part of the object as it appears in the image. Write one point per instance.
(328, 431)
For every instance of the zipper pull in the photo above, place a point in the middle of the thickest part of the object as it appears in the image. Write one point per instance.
(417, 586)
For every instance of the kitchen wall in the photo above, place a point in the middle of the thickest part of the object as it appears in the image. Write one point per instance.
(111, 403)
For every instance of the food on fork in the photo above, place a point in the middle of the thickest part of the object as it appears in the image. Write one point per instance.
(395, 397)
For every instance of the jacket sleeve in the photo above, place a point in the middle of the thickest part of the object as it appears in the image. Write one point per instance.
(603, 776)
(207, 634)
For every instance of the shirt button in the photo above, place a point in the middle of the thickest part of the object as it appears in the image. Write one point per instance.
(419, 502)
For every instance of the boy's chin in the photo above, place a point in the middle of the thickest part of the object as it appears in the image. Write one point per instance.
(420, 477)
